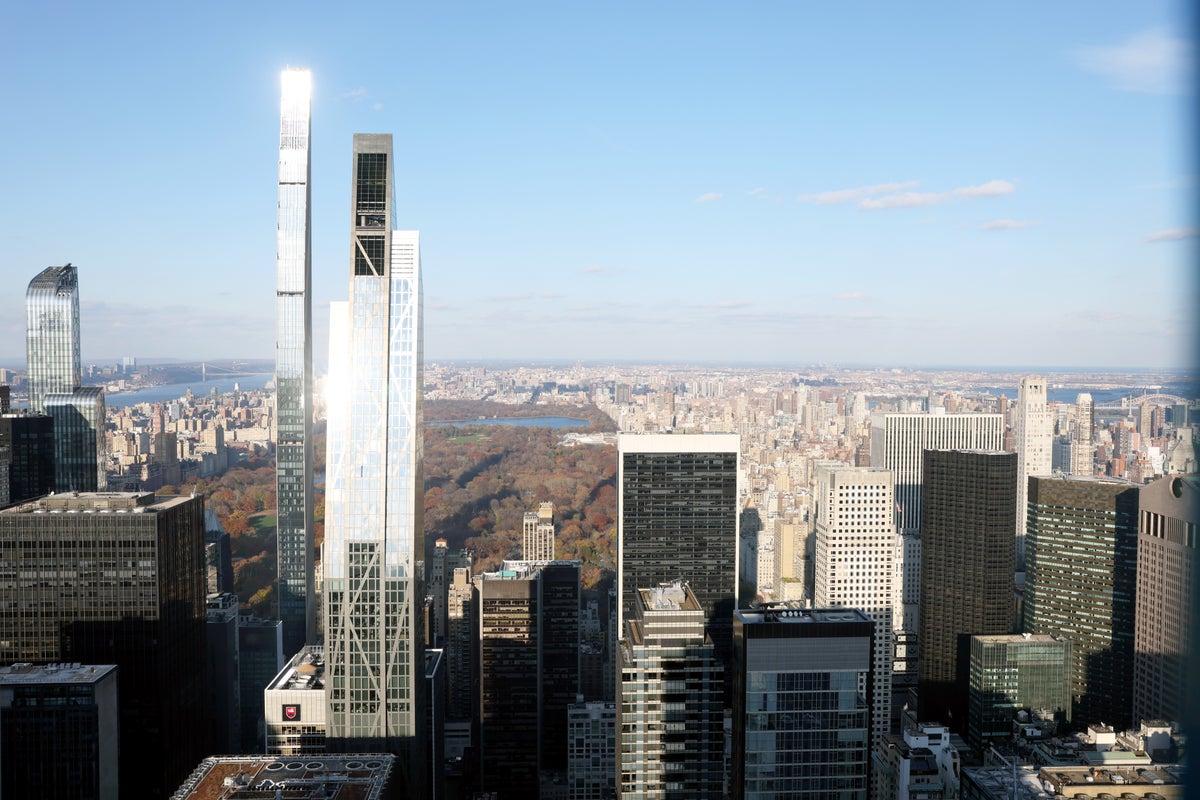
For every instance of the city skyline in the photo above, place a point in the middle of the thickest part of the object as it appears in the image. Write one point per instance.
(964, 188)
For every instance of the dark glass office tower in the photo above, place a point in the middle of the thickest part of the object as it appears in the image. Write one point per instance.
(293, 367)
(30, 442)
(802, 703)
(117, 578)
(52, 334)
(677, 519)
(79, 460)
(968, 555)
(374, 555)
(1081, 584)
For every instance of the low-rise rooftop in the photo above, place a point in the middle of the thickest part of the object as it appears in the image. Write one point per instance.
(27, 674)
(343, 777)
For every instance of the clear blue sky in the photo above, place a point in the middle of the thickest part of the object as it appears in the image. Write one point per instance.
(945, 183)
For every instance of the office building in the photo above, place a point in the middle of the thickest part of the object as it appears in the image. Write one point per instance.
(294, 705)
(29, 440)
(59, 734)
(260, 658)
(1033, 435)
(677, 519)
(509, 682)
(223, 702)
(435, 720)
(854, 562)
(899, 442)
(802, 703)
(461, 645)
(1081, 584)
(353, 776)
(79, 447)
(1166, 579)
(919, 764)
(591, 750)
(1082, 449)
(670, 715)
(537, 542)
(293, 366)
(52, 334)
(117, 578)
(1013, 673)
(439, 574)
(968, 537)
(373, 555)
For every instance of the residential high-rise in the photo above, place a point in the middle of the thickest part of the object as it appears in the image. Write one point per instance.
(854, 563)
(670, 714)
(117, 578)
(967, 560)
(677, 519)
(802, 703)
(59, 734)
(373, 555)
(1081, 584)
(461, 645)
(79, 458)
(1083, 450)
(537, 542)
(1167, 570)
(591, 750)
(1033, 434)
(1012, 673)
(52, 334)
(293, 366)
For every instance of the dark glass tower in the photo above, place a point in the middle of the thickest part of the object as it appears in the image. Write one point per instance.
(1081, 584)
(117, 578)
(678, 520)
(78, 439)
(29, 439)
(968, 555)
(293, 367)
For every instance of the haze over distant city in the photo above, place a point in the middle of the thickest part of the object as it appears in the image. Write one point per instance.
(1000, 185)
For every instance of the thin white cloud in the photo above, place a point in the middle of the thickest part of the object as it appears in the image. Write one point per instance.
(903, 200)
(1151, 62)
(1008, 224)
(377, 106)
(722, 304)
(551, 295)
(594, 268)
(865, 315)
(1174, 234)
(708, 197)
(355, 94)
(756, 191)
(989, 189)
(856, 193)
(851, 296)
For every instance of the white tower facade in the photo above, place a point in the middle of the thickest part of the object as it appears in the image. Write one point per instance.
(373, 553)
(854, 562)
(1083, 450)
(1034, 436)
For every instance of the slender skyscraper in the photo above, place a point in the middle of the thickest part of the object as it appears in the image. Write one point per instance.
(1034, 433)
(373, 567)
(52, 334)
(1082, 449)
(293, 366)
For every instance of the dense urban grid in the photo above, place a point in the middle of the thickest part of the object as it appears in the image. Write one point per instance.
(515, 580)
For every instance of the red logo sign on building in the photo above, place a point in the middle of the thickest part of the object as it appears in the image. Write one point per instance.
(291, 713)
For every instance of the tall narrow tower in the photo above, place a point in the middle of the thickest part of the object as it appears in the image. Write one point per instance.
(1034, 434)
(293, 366)
(372, 556)
(52, 334)
(1083, 450)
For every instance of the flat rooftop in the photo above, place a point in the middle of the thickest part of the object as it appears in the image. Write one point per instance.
(50, 674)
(97, 503)
(793, 613)
(349, 776)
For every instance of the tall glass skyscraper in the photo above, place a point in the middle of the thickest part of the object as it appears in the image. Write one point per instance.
(373, 567)
(79, 459)
(293, 366)
(52, 334)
